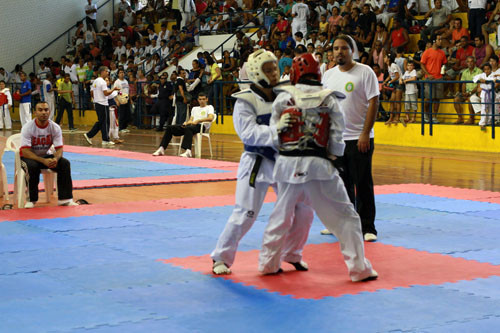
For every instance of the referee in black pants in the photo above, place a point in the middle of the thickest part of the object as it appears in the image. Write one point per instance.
(100, 92)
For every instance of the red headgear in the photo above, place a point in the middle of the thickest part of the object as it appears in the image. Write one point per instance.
(302, 65)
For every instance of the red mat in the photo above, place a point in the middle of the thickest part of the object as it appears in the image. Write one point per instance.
(327, 275)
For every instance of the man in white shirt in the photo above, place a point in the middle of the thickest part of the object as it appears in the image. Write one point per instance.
(100, 93)
(199, 114)
(122, 85)
(43, 71)
(37, 137)
(91, 12)
(300, 13)
(47, 94)
(129, 16)
(119, 50)
(360, 85)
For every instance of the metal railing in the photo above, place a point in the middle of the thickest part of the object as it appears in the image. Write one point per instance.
(430, 101)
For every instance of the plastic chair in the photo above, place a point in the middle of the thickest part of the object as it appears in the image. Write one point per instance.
(49, 176)
(197, 139)
(3, 171)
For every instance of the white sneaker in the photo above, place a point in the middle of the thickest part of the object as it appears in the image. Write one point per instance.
(326, 232)
(220, 268)
(369, 237)
(159, 152)
(87, 138)
(29, 204)
(68, 203)
(373, 276)
(187, 153)
(108, 143)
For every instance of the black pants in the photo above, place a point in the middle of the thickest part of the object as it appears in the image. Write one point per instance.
(181, 113)
(65, 105)
(164, 108)
(477, 17)
(33, 169)
(102, 123)
(92, 22)
(358, 181)
(178, 130)
(124, 116)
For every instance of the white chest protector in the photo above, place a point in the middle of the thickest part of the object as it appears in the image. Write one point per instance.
(311, 129)
(262, 111)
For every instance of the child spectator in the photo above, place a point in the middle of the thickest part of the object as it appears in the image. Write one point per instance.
(484, 79)
(5, 105)
(392, 83)
(411, 92)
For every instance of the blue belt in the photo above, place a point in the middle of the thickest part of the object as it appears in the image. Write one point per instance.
(267, 152)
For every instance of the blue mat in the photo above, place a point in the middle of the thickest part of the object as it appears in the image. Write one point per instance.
(101, 274)
(84, 167)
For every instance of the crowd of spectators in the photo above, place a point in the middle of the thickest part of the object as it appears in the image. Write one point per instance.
(381, 30)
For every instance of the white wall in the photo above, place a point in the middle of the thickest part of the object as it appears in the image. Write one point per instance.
(28, 25)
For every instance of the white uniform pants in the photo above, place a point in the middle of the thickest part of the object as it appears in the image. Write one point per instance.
(486, 109)
(475, 100)
(5, 117)
(247, 207)
(299, 26)
(52, 107)
(113, 123)
(24, 113)
(332, 205)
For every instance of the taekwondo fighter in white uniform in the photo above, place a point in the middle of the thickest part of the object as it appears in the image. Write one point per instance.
(304, 172)
(252, 112)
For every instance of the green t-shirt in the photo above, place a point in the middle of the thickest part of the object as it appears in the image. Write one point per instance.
(467, 75)
(65, 86)
(82, 72)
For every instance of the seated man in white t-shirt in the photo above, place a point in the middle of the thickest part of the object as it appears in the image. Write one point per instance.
(199, 114)
(37, 138)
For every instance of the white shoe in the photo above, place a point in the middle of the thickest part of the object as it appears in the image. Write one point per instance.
(187, 153)
(326, 232)
(220, 268)
(29, 204)
(87, 138)
(68, 203)
(369, 237)
(159, 152)
(108, 143)
(373, 276)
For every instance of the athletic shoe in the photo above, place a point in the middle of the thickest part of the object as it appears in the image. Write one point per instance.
(87, 138)
(73, 129)
(300, 266)
(220, 268)
(29, 205)
(159, 152)
(369, 237)
(435, 121)
(69, 203)
(373, 276)
(187, 153)
(108, 143)
(124, 131)
(326, 232)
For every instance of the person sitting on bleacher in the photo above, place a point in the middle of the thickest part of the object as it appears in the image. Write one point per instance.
(37, 138)
(440, 17)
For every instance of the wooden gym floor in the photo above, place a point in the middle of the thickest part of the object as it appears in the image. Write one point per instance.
(391, 165)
